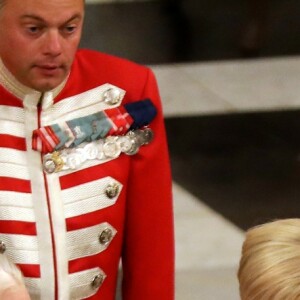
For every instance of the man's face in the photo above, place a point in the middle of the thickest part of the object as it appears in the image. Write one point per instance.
(39, 39)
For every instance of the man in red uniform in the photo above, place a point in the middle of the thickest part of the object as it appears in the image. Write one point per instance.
(82, 184)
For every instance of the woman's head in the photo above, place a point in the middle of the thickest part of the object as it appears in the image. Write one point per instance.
(270, 262)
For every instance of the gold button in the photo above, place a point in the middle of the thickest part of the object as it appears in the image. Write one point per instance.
(53, 162)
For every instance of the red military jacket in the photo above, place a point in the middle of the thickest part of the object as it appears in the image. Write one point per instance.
(68, 229)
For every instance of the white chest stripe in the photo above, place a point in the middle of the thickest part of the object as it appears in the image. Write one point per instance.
(12, 128)
(12, 156)
(87, 206)
(17, 214)
(93, 240)
(10, 113)
(87, 190)
(15, 199)
(25, 256)
(20, 242)
(89, 197)
(15, 171)
(23, 249)
(81, 283)
(80, 105)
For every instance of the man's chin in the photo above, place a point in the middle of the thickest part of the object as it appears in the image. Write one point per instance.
(46, 85)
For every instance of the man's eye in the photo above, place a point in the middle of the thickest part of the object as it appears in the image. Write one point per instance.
(70, 29)
(33, 29)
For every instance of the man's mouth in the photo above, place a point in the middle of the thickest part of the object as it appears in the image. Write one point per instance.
(49, 69)
(49, 66)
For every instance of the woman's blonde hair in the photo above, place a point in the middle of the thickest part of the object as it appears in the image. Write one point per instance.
(270, 261)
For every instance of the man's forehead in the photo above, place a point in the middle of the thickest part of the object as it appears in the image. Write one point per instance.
(54, 10)
(37, 3)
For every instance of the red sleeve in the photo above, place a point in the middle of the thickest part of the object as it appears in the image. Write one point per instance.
(148, 253)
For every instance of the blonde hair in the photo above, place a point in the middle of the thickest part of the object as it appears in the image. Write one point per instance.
(270, 262)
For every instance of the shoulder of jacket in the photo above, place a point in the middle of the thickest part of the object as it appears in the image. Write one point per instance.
(108, 61)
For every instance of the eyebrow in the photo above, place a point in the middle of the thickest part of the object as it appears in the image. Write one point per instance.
(39, 19)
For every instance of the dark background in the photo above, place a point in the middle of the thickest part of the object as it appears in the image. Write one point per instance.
(245, 166)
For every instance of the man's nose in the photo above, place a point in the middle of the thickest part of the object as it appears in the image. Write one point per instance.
(53, 43)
